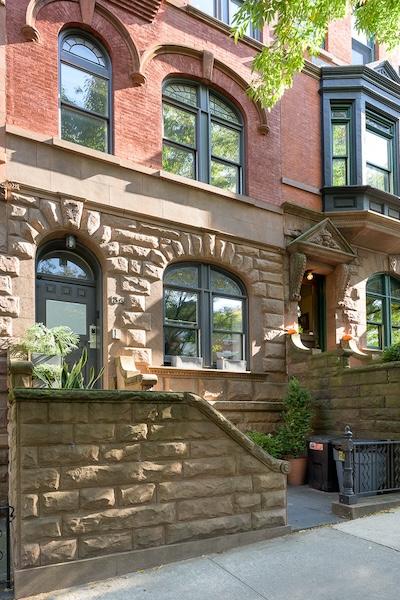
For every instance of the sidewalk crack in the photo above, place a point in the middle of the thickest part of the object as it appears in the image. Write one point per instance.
(238, 578)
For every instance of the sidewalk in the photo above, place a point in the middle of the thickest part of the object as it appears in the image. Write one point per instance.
(358, 560)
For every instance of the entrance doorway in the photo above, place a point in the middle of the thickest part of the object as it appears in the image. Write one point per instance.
(67, 294)
(312, 312)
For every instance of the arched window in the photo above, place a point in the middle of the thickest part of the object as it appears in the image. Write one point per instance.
(383, 311)
(85, 100)
(203, 136)
(205, 314)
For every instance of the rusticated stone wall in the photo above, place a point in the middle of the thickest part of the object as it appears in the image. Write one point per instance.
(365, 397)
(119, 473)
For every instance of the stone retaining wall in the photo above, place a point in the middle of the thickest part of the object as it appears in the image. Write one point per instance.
(135, 477)
(366, 397)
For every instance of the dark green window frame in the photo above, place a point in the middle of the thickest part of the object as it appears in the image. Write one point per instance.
(384, 129)
(341, 122)
(200, 328)
(101, 72)
(383, 311)
(198, 107)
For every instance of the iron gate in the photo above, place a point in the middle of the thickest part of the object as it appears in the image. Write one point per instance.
(6, 516)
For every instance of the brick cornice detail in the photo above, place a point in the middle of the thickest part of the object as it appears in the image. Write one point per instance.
(146, 9)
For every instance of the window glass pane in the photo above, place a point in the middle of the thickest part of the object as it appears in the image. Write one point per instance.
(224, 284)
(395, 287)
(222, 110)
(374, 310)
(339, 136)
(187, 94)
(69, 314)
(225, 142)
(361, 36)
(395, 336)
(62, 267)
(180, 307)
(225, 176)
(84, 48)
(374, 336)
(206, 5)
(84, 129)
(179, 161)
(84, 90)
(227, 345)
(378, 179)
(234, 6)
(179, 125)
(395, 313)
(339, 174)
(183, 276)
(227, 314)
(376, 284)
(180, 342)
(377, 150)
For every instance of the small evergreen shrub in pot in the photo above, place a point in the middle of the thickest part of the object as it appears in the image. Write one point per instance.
(392, 353)
(290, 440)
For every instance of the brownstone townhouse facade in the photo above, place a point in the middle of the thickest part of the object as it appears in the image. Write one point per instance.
(151, 205)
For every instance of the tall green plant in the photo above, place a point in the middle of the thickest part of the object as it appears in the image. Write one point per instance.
(39, 339)
(291, 438)
(72, 377)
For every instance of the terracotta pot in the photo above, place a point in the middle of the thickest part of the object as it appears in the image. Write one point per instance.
(298, 470)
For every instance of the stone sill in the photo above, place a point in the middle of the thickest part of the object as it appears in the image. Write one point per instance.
(208, 373)
(127, 164)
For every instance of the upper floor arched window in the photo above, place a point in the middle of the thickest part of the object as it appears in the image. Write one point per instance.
(85, 91)
(383, 311)
(205, 313)
(203, 136)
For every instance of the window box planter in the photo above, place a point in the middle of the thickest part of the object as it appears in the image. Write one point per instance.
(227, 364)
(187, 362)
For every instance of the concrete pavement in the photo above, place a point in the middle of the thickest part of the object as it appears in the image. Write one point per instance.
(357, 560)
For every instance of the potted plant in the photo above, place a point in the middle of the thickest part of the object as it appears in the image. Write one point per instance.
(47, 349)
(290, 441)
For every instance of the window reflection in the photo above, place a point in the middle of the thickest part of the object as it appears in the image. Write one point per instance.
(63, 265)
(383, 311)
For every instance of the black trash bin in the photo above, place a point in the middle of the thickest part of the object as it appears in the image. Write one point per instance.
(321, 464)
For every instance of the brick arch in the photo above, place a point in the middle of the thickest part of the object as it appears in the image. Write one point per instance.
(31, 32)
(209, 64)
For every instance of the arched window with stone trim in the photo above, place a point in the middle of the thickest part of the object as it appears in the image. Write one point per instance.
(383, 311)
(85, 91)
(205, 314)
(202, 135)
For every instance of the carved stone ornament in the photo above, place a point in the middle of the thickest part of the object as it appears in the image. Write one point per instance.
(394, 264)
(325, 238)
(298, 263)
(342, 274)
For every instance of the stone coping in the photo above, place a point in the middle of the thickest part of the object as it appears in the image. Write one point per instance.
(48, 395)
(211, 373)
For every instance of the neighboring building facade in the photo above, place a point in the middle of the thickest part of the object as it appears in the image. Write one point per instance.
(152, 206)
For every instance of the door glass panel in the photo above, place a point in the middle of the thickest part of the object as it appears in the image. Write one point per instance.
(227, 314)
(227, 345)
(180, 342)
(180, 307)
(183, 276)
(69, 314)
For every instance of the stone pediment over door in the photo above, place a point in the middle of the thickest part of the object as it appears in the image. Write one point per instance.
(325, 243)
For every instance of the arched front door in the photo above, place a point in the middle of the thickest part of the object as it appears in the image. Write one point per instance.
(66, 294)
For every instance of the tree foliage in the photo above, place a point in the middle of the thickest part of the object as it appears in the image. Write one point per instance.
(298, 28)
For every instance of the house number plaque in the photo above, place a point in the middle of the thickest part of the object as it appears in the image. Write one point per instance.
(117, 300)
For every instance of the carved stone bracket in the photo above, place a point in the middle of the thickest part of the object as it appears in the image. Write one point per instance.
(342, 274)
(208, 65)
(87, 10)
(298, 262)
